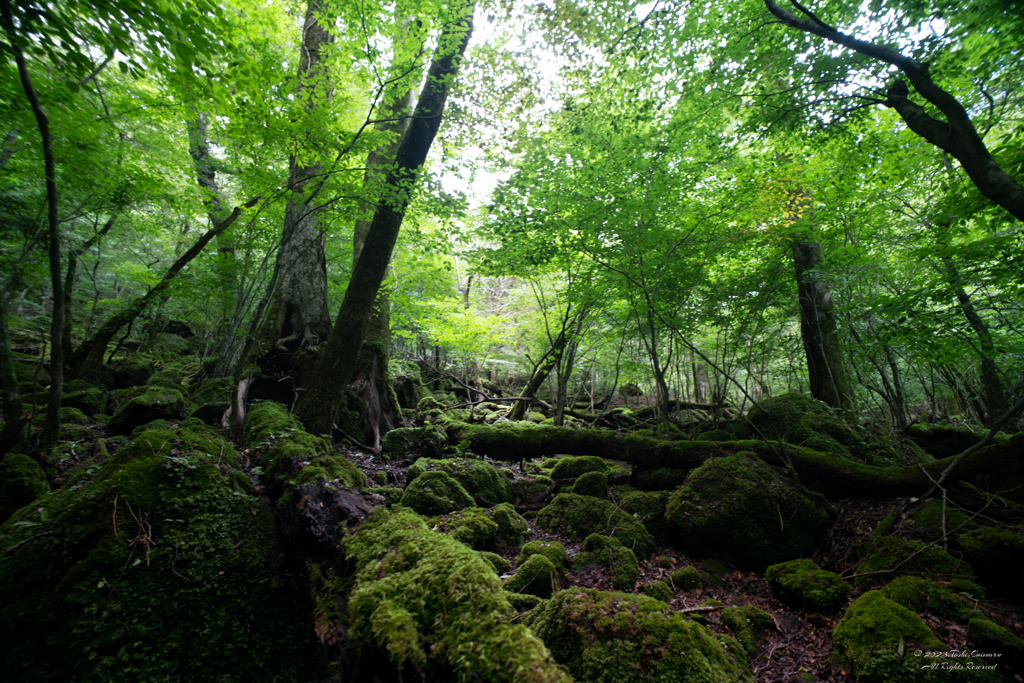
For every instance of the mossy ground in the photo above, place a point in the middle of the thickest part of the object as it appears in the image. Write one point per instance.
(803, 585)
(580, 516)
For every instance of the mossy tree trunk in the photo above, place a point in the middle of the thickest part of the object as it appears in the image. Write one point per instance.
(69, 283)
(324, 391)
(298, 313)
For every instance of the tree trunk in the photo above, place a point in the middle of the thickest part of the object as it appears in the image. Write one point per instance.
(69, 284)
(540, 373)
(298, 314)
(818, 328)
(325, 388)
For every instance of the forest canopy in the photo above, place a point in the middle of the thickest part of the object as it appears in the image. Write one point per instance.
(334, 237)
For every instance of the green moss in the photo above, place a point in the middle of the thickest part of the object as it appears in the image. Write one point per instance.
(154, 404)
(661, 479)
(157, 564)
(380, 477)
(802, 585)
(22, 481)
(423, 600)
(435, 493)
(659, 590)
(168, 379)
(522, 602)
(537, 576)
(870, 635)
(740, 509)
(928, 521)
(133, 370)
(428, 440)
(591, 484)
(90, 401)
(479, 478)
(572, 467)
(609, 552)
(664, 562)
(155, 424)
(746, 623)
(993, 638)
(471, 526)
(580, 516)
(686, 578)
(649, 507)
(268, 421)
(612, 637)
(715, 435)
(994, 542)
(891, 554)
(512, 527)
(500, 564)
(923, 595)
(943, 441)
(553, 550)
(526, 489)
(392, 494)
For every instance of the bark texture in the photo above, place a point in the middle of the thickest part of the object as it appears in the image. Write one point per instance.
(325, 390)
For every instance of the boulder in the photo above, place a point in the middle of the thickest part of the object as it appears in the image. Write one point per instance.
(22, 481)
(579, 516)
(155, 403)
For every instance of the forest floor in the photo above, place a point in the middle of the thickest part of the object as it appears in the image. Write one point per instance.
(798, 648)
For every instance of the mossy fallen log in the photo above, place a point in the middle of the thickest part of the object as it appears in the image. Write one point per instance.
(844, 475)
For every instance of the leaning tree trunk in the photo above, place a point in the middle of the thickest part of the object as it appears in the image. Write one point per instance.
(298, 314)
(325, 388)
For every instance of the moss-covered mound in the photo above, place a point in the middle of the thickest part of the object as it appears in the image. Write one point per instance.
(429, 440)
(924, 595)
(536, 576)
(22, 480)
(471, 526)
(479, 478)
(91, 401)
(746, 622)
(896, 556)
(155, 403)
(295, 457)
(553, 550)
(659, 590)
(526, 489)
(571, 467)
(609, 552)
(649, 508)
(427, 603)
(686, 578)
(619, 638)
(943, 441)
(580, 516)
(435, 493)
(133, 370)
(802, 585)
(993, 638)
(660, 479)
(740, 509)
(512, 527)
(157, 564)
(591, 484)
(211, 400)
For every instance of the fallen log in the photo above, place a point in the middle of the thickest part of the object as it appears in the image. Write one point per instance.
(846, 476)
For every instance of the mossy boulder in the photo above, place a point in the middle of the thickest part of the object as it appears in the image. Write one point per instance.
(536, 576)
(572, 467)
(512, 527)
(211, 400)
(73, 416)
(610, 637)
(686, 578)
(425, 602)
(392, 494)
(740, 509)
(154, 404)
(155, 424)
(874, 635)
(801, 584)
(428, 440)
(660, 479)
(591, 484)
(143, 553)
(896, 556)
(553, 550)
(943, 441)
(715, 435)
(607, 551)
(649, 507)
(478, 477)
(435, 493)
(133, 370)
(500, 564)
(22, 481)
(659, 590)
(579, 516)
(746, 622)
(522, 602)
(992, 638)
(471, 526)
(525, 490)
(923, 595)
(168, 379)
(90, 401)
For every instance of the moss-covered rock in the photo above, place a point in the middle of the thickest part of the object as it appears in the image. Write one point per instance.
(155, 424)
(897, 556)
(591, 484)
(479, 478)
(607, 551)
(471, 526)
(168, 379)
(802, 585)
(649, 507)
(90, 401)
(500, 564)
(580, 516)
(429, 441)
(943, 441)
(746, 623)
(740, 509)
(661, 479)
(659, 590)
(572, 467)
(522, 602)
(211, 400)
(715, 435)
(553, 550)
(536, 576)
(525, 490)
(871, 635)
(427, 602)
(512, 527)
(924, 595)
(392, 494)
(156, 565)
(133, 370)
(22, 481)
(610, 637)
(435, 493)
(154, 404)
(686, 578)
(992, 638)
